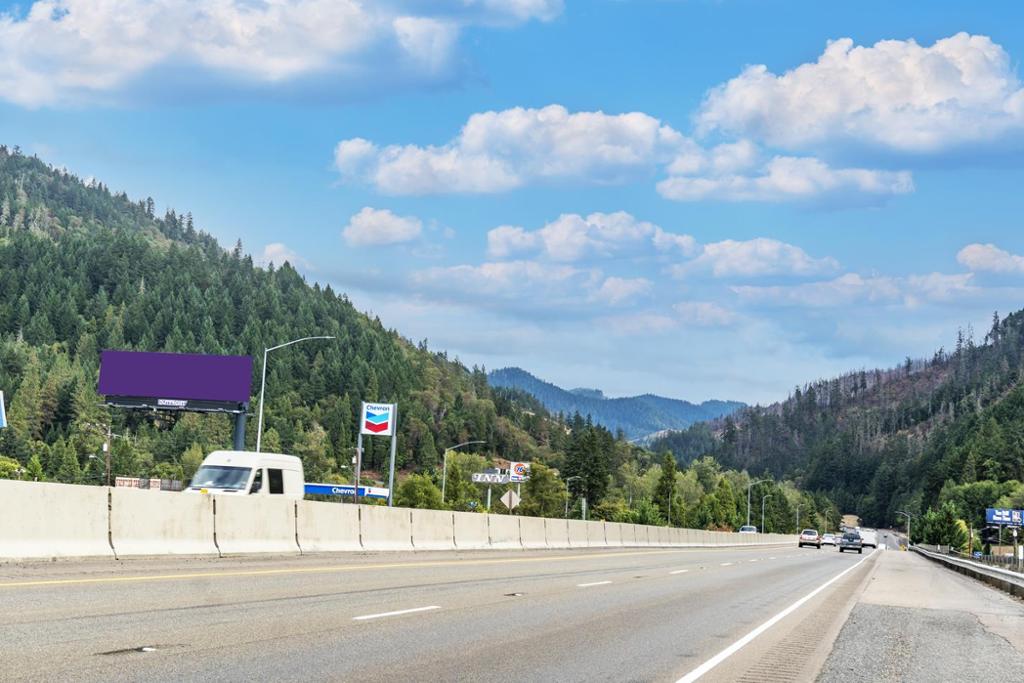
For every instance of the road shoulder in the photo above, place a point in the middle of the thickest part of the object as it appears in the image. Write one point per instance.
(917, 621)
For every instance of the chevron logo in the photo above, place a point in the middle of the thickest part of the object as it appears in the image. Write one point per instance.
(377, 418)
(378, 422)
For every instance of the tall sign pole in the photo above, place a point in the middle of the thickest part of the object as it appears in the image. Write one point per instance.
(359, 461)
(394, 447)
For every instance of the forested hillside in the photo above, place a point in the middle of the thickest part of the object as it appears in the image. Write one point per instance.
(946, 430)
(83, 269)
(636, 416)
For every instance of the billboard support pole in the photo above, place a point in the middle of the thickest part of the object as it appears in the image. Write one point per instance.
(359, 464)
(239, 433)
(394, 447)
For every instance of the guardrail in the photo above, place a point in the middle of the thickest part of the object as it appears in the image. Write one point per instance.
(44, 520)
(1011, 582)
(1007, 562)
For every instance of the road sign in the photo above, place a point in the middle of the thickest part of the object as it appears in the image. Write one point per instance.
(378, 419)
(3, 412)
(519, 471)
(510, 499)
(488, 478)
(1004, 516)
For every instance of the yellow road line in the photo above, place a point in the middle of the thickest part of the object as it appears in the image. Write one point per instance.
(345, 568)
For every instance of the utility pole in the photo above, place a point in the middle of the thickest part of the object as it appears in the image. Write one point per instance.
(763, 499)
(798, 506)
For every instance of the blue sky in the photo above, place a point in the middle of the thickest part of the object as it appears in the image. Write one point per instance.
(693, 198)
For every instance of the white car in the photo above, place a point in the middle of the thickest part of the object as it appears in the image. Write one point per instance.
(869, 538)
(828, 539)
(748, 529)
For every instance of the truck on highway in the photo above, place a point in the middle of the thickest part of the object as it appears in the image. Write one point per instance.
(265, 474)
(244, 472)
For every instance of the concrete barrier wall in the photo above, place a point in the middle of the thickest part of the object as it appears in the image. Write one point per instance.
(253, 524)
(151, 523)
(53, 520)
(595, 534)
(557, 532)
(433, 530)
(327, 527)
(43, 520)
(470, 531)
(577, 533)
(384, 528)
(532, 532)
(504, 531)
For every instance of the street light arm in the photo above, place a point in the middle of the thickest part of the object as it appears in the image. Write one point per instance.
(294, 341)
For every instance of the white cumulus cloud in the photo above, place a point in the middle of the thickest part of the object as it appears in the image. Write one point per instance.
(786, 179)
(501, 150)
(989, 257)
(572, 237)
(279, 253)
(377, 227)
(618, 290)
(895, 94)
(67, 51)
(852, 288)
(755, 258)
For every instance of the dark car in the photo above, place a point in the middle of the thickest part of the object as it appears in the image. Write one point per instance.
(851, 541)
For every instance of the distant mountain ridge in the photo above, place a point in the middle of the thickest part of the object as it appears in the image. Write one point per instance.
(636, 416)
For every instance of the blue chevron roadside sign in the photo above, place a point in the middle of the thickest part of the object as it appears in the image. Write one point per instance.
(3, 412)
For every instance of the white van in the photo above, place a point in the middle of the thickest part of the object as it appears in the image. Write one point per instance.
(245, 472)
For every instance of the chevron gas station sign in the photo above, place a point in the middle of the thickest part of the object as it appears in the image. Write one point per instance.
(378, 419)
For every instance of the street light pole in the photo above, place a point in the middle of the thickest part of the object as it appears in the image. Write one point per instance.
(750, 486)
(908, 516)
(798, 506)
(263, 384)
(567, 494)
(763, 499)
(444, 475)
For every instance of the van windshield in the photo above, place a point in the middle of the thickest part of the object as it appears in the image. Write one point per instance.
(221, 477)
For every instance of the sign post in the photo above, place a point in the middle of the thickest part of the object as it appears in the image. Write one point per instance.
(3, 412)
(378, 419)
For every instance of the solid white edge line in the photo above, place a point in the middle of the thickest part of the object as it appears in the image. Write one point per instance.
(595, 583)
(395, 614)
(679, 571)
(732, 649)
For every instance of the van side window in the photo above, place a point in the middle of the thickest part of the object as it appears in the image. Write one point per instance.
(257, 482)
(276, 479)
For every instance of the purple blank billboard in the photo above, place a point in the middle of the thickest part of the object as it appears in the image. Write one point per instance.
(186, 376)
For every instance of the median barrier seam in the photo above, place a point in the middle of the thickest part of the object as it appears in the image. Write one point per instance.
(110, 530)
(215, 543)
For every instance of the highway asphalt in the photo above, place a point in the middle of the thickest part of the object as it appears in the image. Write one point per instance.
(615, 615)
